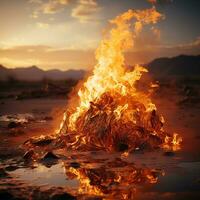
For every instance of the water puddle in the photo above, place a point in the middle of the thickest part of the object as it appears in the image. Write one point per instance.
(186, 177)
(112, 177)
(41, 175)
(18, 118)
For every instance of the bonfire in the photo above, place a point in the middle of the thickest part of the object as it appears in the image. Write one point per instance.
(111, 113)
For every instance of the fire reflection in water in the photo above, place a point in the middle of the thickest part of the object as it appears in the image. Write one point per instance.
(116, 179)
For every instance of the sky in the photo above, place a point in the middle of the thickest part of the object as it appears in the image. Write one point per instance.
(63, 34)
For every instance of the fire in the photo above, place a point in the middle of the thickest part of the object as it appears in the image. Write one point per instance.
(110, 183)
(112, 114)
(109, 73)
(85, 186)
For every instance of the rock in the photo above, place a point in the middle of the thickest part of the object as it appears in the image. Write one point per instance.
(50, 156)
(169, 153)
(11, 168)
(5, 195)
(3, 173)
(49, 159)
(75, 165)
(48, 118)
(121, 147)
(43, 142)
(13, 125)
(28, 155)
(63, 196)
(94, 198)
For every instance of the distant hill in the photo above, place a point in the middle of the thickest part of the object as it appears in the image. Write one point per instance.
(34, 73)
(182, 65)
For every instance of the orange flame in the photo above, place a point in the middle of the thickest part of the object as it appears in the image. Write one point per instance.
(109, 73)
(111, 91)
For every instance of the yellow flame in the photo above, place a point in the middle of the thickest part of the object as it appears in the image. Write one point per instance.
(111, 90)
(85, 186)
(109, 73)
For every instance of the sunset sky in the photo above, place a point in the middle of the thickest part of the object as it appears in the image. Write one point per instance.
(64, 34)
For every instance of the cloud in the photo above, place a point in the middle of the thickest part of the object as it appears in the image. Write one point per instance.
(42, 25)
(35, 1)
(49, 7)
(150, 51)
(53, 6)
(35, 14)
(46, 57)
(193, 44)
(49, 57)
(85, 10)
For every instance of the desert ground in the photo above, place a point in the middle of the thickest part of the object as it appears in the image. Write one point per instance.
(177, 173)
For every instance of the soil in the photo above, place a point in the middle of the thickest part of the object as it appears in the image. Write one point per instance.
(177, 173)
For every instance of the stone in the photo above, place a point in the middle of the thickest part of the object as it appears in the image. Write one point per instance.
(13, 125)
(63, 196)
(169, 153)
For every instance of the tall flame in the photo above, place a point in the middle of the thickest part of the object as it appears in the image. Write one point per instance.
(109, 73)
(110, 106)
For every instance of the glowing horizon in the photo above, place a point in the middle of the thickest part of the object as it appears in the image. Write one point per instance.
(64, 34)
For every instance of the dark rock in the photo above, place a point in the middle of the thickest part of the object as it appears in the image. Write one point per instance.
(49, 159)
(48, 118)
(43, 142)
(5, 195)
(169, 153)
(50, 156)
(94, 198)
(75, 165)
(13, 125)
(121, 147)
(63, 196)
(11, 168)
(3, 173)
(28, 155)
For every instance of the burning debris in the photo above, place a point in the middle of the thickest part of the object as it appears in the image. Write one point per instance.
(112, 113)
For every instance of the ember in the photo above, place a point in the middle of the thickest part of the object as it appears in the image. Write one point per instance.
(112, 114)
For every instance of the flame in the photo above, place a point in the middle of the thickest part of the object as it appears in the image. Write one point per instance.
(103, 181)
(173, 143)
(85, 186)
(109, 73)
(110, 106)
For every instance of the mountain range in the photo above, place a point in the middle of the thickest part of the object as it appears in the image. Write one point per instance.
(183, 65)
(34, 73)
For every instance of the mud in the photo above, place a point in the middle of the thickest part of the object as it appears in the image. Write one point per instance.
(96, 175)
